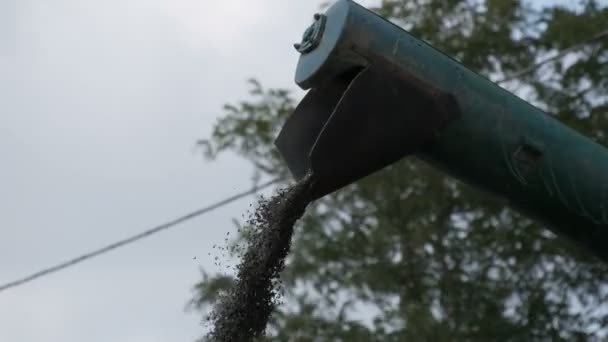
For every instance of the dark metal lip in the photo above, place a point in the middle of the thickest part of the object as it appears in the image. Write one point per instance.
(335, 134)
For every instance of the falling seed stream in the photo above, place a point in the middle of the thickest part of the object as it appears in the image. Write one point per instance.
(242, 313)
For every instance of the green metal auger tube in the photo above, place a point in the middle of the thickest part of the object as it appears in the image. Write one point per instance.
(378, 94)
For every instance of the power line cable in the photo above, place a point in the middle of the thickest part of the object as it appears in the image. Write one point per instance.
(529, 69)
(136, 237)
(194, 214)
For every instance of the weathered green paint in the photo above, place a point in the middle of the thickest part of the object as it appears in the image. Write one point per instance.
(499, 142)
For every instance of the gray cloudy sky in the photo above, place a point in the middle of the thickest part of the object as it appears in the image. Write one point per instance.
(100, 105)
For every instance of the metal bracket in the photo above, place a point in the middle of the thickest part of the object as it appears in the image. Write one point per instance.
(312, 36)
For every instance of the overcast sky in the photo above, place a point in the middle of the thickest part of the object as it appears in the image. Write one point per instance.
(100, 105)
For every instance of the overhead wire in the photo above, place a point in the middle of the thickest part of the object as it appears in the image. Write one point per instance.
(170, 224)
(134, 238)
(562, 53)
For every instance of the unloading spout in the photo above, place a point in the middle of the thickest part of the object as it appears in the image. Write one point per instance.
(377, 94)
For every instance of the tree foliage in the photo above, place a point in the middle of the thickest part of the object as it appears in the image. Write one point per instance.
(411, 254)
